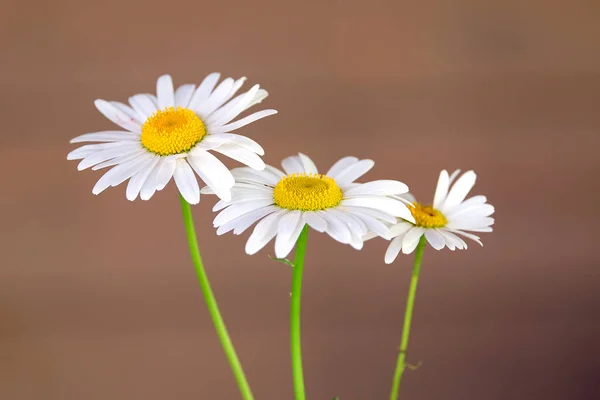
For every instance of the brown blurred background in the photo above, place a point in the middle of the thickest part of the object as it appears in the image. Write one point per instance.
(98, 297)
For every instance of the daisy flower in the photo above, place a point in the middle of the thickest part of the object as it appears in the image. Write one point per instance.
(333, 203)
(441, 223)
(169, 136)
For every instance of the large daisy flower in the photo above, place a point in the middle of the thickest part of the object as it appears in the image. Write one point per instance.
(442, 223)
(168, 136)
(333, 203)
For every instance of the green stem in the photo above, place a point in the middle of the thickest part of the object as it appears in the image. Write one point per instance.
(410, 302)
(211, 303)
(296, 302)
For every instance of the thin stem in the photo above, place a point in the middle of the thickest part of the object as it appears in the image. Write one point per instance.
(410, 303)
(211, 303)
(296, 348)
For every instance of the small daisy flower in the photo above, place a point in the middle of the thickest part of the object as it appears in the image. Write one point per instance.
(449, 215)
(169, 135)
(333, 203)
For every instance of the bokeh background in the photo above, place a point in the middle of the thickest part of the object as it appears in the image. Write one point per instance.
(98, 297)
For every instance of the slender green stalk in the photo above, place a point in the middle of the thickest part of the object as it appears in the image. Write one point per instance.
(211, 303)
(296, 348)
(410, 303)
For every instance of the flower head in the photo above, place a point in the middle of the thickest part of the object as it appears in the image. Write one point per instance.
(449, 215)
(169, 135)
(333, 203)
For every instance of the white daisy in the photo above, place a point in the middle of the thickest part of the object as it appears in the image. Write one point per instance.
(449, 215)
(169, 135)
(331, 203)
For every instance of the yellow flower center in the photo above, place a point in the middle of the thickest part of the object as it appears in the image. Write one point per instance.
(172, 131)
(307, 192)
(427, 216)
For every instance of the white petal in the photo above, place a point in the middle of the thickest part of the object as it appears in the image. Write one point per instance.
(119, 159)
(393, 249)
(354, 172)
(309, 165)
(407, 198)
(336, 228)
(216, 98)
(385, 204)
(183, 95)
(137, 181)
(469, 223)
(186, 182)
(482, 229)
(239, 225)
(315, 221)
(107, 154)
(240, 197)
(214, 173)
(165, 173)
(353, 223)
(411, 239)
(454, 175)
(356, 240)
(451, 242)
(341, 165)
(144, 104)
(149, 187)
(441, 190)
(164, 93)
(217, 139)
(119, 174)
(435, 239)
(233, 108)
(238, 209)
(377, 188)
(292, 165)
(106, 136)
(88, 149)
(130, 112)
(460, 244)
(478, 210)
(117, 116)
(290, 226)
(373, 224)
(386, 217)
(258, 98)
(459, 191)
(263, 232)
(470, 236)
(254, 176)
(244, 121)
(242, 155)
(204, 90)
(400, 228)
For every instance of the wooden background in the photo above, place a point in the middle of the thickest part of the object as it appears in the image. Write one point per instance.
(98, 298)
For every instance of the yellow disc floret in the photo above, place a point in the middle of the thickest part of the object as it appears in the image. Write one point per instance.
(172, 131)
(307, 192)
(427, 216)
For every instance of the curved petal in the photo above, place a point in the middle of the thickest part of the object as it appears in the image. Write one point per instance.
(137, 181)
(264, 231)
(459, 191)
(144, 104)
(341, 165)
(244, 121)
(242, 155)
(290, 226)
(353, 172)
(117, 116)
(184, 94)
(213, 172)
(164, 92)
(186, 182)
